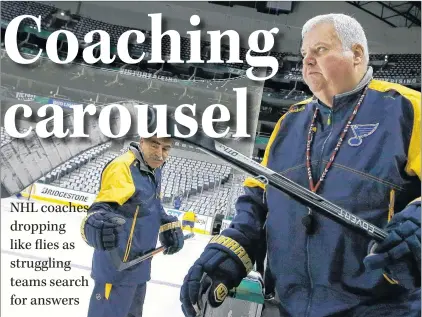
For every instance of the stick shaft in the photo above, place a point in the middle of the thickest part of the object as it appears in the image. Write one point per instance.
(297, 192)
(120, 265)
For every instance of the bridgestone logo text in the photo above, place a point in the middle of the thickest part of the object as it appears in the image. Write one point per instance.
(353, 219)
(61, 194)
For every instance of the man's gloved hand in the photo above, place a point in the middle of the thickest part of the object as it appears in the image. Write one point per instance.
(222, 266)
(400, 253)
(101, 230)
(171, 235)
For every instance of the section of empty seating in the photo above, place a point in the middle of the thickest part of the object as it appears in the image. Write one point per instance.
(207, 188)
(6, 138)
(181, 176)
(270, 94)
(63, 175)
(187, 177)
(209, 202)
(217, 200)
(13, 9)
(400, 66)
(86, 25)
(88, 177)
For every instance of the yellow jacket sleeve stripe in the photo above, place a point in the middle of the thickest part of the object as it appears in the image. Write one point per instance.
(252, 182)
(413, 166)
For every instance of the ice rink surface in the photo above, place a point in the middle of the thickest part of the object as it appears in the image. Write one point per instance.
(163, 290)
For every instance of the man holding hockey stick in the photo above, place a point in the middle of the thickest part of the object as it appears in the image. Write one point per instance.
(357, 144)
(127, 214)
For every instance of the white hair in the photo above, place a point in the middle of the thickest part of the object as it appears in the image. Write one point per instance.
(348, 29)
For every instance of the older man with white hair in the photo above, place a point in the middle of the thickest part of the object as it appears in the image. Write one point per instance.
(356, 143)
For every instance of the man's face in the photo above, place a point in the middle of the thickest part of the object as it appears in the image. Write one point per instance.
(155, 150)
(325, 65)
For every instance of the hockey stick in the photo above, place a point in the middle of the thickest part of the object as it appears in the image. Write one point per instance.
(120, 265)
(297, 192)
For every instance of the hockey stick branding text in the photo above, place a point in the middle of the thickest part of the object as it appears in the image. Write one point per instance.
(355, 220)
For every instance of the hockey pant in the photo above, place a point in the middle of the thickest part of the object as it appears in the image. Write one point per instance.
(186, 223)
(117, 300)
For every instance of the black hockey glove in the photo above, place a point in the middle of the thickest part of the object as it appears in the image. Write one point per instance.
(101, 230)
(221, 267)
(171, 236)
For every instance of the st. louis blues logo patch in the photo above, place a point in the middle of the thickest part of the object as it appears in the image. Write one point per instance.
(361, 131)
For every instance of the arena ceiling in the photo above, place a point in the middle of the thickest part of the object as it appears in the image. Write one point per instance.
(394, 13)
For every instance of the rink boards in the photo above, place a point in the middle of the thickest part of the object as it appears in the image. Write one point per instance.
(63, 196)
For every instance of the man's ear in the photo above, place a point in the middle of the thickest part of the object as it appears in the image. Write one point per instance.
(358, 54)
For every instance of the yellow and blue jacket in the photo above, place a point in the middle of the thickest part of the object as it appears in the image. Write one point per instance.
(377, 172)
(129, 188)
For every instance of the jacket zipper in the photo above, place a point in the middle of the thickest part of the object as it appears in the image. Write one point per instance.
(331, 119)
(308, 308)
(153, 176)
